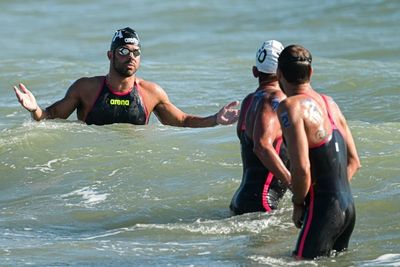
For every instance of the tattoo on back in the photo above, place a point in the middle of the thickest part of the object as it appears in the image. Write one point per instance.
(321, 134)
(275, 103)
(285, 120)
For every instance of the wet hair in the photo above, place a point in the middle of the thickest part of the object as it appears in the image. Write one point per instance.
(295, 64)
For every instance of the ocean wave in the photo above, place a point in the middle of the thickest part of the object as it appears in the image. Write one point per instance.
(279, 262)
(392, 260)
(234, 225)
(89, 195)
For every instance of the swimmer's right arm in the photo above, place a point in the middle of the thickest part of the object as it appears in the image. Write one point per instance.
(28, 101)
(297, 143)
(292, 125)
(61, 109)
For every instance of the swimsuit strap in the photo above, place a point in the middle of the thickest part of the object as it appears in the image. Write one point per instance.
(137, 87)
(324, 97)
(246, 109)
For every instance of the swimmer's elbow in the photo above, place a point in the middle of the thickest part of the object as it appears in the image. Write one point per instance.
(358, 165)
(263, 151)
(355, 163)
(353, 166)
(257, 150)
(300, 172)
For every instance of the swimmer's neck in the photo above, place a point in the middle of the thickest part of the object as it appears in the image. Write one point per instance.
(304, 88)
(120, 84)
(268, 85)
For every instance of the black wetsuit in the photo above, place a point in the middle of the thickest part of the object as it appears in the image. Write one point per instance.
(259, 190)
(330, 213)
(112, 107)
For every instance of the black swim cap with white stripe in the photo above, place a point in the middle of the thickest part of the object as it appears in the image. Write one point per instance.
(124, 36)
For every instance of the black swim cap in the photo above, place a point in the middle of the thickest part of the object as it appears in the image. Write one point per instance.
(124, 36)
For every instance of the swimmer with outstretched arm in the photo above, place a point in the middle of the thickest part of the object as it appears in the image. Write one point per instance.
(121, 96)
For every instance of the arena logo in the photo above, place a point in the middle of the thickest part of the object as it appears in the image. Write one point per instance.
(119, 102)
(131, 41)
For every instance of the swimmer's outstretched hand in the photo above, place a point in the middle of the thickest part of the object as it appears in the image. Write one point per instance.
(298, 215)
(26, 98)
(228, 114)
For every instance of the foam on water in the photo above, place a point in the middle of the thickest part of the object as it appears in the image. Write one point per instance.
(392, 260)
(89, 196)
(222, 227)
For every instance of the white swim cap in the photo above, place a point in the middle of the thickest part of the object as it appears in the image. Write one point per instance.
(267, 56)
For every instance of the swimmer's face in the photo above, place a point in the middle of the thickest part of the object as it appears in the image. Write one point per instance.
(125, 60)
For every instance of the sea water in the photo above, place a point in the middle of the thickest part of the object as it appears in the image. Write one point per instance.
(124, 195)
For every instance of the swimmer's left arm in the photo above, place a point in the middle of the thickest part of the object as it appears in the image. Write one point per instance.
(266, 130)
(225, 116)
(169, 114)
(353, 161)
